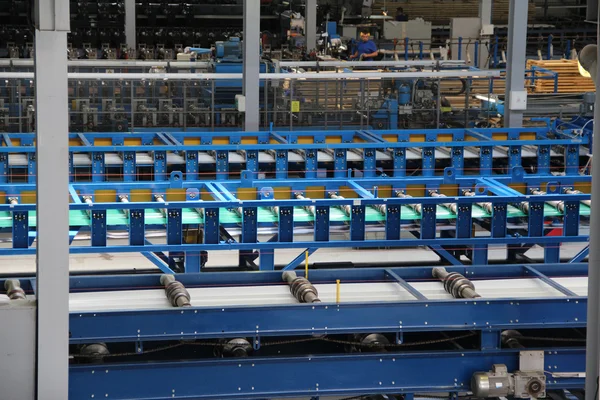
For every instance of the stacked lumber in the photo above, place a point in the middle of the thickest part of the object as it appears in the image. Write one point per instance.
(569, 78)
(439, 12)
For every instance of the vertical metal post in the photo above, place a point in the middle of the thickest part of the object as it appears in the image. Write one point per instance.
(593, 317)
(130, 35)
(485, 12)
(515, 70)
(252, 64)
(310, 15)
(52, 116)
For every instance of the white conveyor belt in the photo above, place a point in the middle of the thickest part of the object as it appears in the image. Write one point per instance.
(349, 293)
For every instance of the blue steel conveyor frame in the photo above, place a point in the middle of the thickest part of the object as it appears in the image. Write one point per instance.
(399, 370)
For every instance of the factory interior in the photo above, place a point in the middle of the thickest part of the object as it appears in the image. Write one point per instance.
(299, 199)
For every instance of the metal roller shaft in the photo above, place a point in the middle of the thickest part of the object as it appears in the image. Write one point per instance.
(486, 206)
(309, 209)
(510, 339)
(160, 199)
(573, 191)
(345, 208)
(301, 288)
(455, 284)
(123, 198)
(14, 290)
(175, 291)
(416, 207)
(450, 206)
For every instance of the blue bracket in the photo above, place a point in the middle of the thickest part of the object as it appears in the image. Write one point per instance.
(286, 224)
(129, 166)
(98, 171)
(252, 160)
(536, 219)
(340, 163)
(311, 163)
(357, 223)
(211, 226)
(174, 226)
(191, 165)
(543, 158)
(399, 163)
(370, 163)
(4, 168)
(572, 159)
(499, 212)
(428, 155)
(321, 224)
(490, 340)
(98, 222)
(222, 162)
(392, 222)
(137, 227)
(249, 224)
(20, 229)
(31, 167)
(485, 160)
(428, 219)
(160, 165)
(281, 164)
(571, 218)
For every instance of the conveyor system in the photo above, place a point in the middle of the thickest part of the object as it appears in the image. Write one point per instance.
(263, 191)
(391, 331)
(101, 156)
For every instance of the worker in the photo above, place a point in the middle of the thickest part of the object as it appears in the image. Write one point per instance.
(400, 16)
(367, 49)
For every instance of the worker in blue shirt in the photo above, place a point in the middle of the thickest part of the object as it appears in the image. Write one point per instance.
(367, 49)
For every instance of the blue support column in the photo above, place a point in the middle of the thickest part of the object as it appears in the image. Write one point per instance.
(572, 159)
(543, 159)
(286, 224)
(252, 160)
(499, 214)
(20, 230)
(458, 160)
(428, 155)
(222, 162)
(370, 163)
(137, 227)
(485, 160)
(514, 156)
(174, 226)
(536, 219)
(490, 340)
(571, 219)
(160, 165)
(428, 221)
(129, 166)
(249, 225)
(211, 226)
(357, 223)
(31, 167)
(399, 163)
(281, 164)
(98, 222)
(392, 223)
(340, 163)
(4, 167)
(98, 171)
(191, 165)
(322, 224)
(71, 168)
(311, 163)
(464, 221)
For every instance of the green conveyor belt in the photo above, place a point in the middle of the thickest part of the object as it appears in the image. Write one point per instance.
(265, 216)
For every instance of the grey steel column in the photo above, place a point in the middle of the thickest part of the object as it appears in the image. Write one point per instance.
(252, 63)
(485, 12)
(310, 15)
(593, 316)
(515, 70)
(52, 155)
(130, 16)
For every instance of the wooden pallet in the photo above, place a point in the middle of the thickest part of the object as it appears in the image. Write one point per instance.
(569, 78)
(439, 12)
